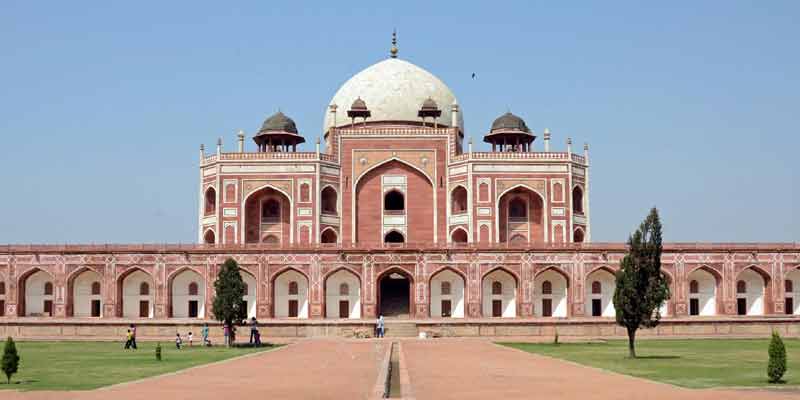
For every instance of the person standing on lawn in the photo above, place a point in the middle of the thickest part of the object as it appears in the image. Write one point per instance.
(133, 336)
(128, 340)
(189, 336)
(253, 330)
(226, 330)
(204, 334)
(178, 341)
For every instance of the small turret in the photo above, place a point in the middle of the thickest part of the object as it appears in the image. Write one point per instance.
(509, 133)
(278, 134)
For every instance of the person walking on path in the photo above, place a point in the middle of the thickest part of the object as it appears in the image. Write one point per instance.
(133, 336)
(204, 334)
(253, 330)
(379, 325)
(128, 338)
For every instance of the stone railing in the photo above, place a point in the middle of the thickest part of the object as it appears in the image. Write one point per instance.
(419, 246)
(374, 130)
(288, 156)
(497, 155)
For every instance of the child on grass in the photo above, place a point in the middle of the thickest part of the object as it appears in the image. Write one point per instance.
(128, 340)
(189, 336)
(178, 341)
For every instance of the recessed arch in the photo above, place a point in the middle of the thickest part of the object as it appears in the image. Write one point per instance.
(251, 292)
(756, 299)
(329, 200)
(81, 296)
(400, 160)
(210, 201)
(339, 304)
(186, 293)
(395, 295)
(394, 236)
(459, 236)
(600, 284)
(500, 290)
(532, 226)
(209, 236)
(133, 304)
(551, 293)
(329, 235)
(703, 291)
(31, 301)
(284, 304)
(245, 218)
(458, 199)
(577, 199)
(578, 235)
(447, 293)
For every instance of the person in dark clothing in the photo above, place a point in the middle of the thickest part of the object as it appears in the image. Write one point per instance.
(253, 330)
(133, 336)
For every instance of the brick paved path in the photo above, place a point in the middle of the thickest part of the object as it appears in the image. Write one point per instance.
(432, 369)
(309, 369)
(478, 369)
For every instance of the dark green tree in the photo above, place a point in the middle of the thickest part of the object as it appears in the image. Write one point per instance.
(229, 287)
(10, 362)
(777, 359)
(641, 287)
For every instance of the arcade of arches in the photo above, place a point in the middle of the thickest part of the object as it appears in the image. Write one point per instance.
(403, 285)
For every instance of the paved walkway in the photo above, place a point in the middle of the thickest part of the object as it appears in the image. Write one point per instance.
(308, 369)
(477, 369)
(430, 369)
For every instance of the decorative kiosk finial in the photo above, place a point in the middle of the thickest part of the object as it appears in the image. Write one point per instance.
(393, 51)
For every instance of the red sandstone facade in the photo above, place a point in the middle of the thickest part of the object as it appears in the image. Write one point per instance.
(394, 217)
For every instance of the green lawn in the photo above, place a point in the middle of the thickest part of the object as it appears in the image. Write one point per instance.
(89, 365)
(695, 363)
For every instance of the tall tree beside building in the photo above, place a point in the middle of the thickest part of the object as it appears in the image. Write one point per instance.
(228, 304)
(641, 287)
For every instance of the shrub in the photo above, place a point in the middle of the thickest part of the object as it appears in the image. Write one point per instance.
(777, 359)
(158, 351)
(10, 363)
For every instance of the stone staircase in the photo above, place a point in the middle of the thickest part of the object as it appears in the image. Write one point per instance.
(400, 329)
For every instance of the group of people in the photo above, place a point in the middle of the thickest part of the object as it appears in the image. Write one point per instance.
(229, 331)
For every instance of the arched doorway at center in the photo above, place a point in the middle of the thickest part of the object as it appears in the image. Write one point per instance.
(395, 294)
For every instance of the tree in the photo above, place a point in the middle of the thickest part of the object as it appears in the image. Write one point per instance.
(641, 287)
(10, 362)
(229, 287)
(777, 359)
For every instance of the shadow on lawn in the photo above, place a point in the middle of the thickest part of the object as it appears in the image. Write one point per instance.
(657, 357)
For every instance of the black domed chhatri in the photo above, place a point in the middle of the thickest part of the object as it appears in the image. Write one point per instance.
(510, 133)
(279, 122)
(509, 122)
(278, 134)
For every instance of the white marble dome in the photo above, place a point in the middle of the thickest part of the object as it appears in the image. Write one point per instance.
(394, 90)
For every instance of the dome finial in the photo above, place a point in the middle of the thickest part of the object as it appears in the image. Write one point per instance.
(393, 51)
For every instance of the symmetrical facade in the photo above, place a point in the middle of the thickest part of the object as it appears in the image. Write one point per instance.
(395, 217)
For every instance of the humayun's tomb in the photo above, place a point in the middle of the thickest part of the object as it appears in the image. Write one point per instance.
(394, 214)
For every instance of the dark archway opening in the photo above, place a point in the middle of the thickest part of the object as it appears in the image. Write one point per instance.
(394, 237)
(395, 296)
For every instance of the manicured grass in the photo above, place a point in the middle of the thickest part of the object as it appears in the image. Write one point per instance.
(89, 365)
(696, 363)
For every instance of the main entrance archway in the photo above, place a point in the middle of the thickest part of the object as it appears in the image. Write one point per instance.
(394, 294)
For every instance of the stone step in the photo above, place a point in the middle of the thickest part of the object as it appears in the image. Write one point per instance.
(401, 329)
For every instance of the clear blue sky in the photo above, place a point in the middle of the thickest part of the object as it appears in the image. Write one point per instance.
(690, 106)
